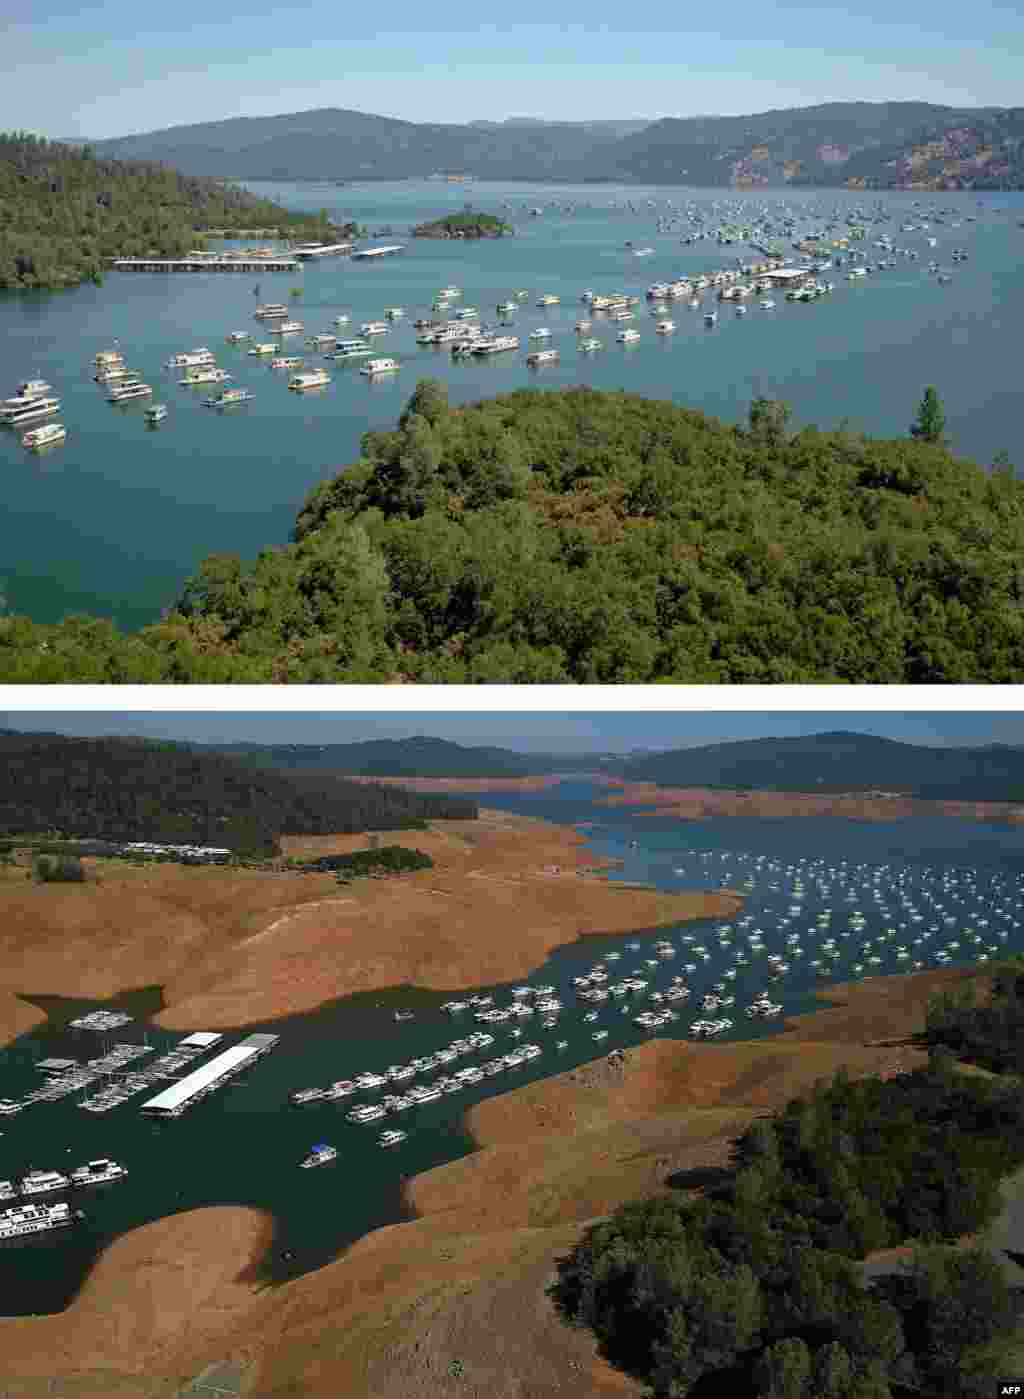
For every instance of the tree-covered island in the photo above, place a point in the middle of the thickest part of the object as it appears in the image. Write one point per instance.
(468, 224)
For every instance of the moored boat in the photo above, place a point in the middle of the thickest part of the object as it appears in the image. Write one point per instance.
(313, 379)
(46, 436)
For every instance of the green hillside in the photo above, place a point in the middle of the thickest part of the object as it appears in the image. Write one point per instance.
(392, 757)
(127, 789)
(65, 213)
(841, 762)
(584, 537)
(874, 145)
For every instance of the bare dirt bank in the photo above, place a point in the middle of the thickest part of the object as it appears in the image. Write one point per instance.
(458, 1295)
(464, 784)
(698, 803)
(231, 947)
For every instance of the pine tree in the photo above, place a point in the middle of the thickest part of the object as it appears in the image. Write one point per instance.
(930, 423)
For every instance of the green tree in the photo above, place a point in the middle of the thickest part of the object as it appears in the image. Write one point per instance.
(767, 421)
(783, 1371)
(930, 424)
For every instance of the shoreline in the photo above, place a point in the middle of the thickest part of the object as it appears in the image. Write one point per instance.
(465, 1276)
(235, 948)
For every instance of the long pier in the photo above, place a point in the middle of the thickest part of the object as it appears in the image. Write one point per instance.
(206, 264)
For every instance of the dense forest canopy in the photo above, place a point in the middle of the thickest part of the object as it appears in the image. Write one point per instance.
(754, 1289)
(840, 762)
(65, 213)
(128, 789)
(582, 536)
(872, 145)
(464, 225)
(394, 757)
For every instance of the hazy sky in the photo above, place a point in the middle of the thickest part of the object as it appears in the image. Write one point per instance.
(576, 733)
(86, 69)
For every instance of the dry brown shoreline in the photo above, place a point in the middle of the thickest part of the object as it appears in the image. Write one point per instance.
(232, 947)
(703, 803)
(465, 1280)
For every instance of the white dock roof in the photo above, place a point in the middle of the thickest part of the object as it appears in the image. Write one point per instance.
(202, 1039)
(200, 1079)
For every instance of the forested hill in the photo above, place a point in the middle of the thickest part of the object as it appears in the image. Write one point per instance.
(393, 757)
(872, 145)
(841, 762)
(129, 789)
(64, 212)
(582, 536)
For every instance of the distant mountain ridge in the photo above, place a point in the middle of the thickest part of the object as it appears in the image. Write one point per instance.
(869, 145)
(841, 762)
(421, 756)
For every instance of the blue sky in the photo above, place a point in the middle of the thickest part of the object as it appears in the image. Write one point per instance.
(568, 733)
(117, 68)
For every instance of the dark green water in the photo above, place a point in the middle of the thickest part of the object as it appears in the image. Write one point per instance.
(115, 519)
(244, 1143)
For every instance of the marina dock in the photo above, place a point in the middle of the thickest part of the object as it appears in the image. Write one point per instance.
(379, 252)
(206, 264)
(309, 250)
(173, 1101)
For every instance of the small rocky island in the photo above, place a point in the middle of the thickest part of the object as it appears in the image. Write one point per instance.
(464, 225)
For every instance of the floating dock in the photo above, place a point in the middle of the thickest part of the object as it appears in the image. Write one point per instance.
(321, 250)
(379, 252)
(173, 1101)
(206, 264)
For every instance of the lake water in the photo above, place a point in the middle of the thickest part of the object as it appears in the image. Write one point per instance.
(243, 1144)
(113, 521)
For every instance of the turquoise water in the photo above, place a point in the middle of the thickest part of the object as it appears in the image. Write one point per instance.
(113, 521)
(243, 1145)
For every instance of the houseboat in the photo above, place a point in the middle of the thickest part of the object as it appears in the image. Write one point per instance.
(313, 379)
(380, 366)
(542, 357)
(46, 436)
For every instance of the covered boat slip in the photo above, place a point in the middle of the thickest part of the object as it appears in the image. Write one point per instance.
(173, 1101)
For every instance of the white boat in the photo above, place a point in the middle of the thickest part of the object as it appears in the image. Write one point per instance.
(191, 357)
(127, 392)
(43, 1182)
(211, 375)
(626, 337)
(267, 347)
(319, 1156)
(710, 317)
(111, 373)
(270, 310)
(98, 1172)
(665, 327)
(767, 304)
(543, 357)
(374, 328)
(24, 1220)
(496, 344)
(34, 408)
(380, 366)
(7, 1190)
(541, 333)
(394, 313)
(342, 320)
(314, 379)
(450, 291)
(288, 328)
(391, 1138)
(109, 357)
(286, 362)
(28, 390)
(368, 1112)
(237, 337)
(549, 300)
(47, 436)
(306, 1095)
